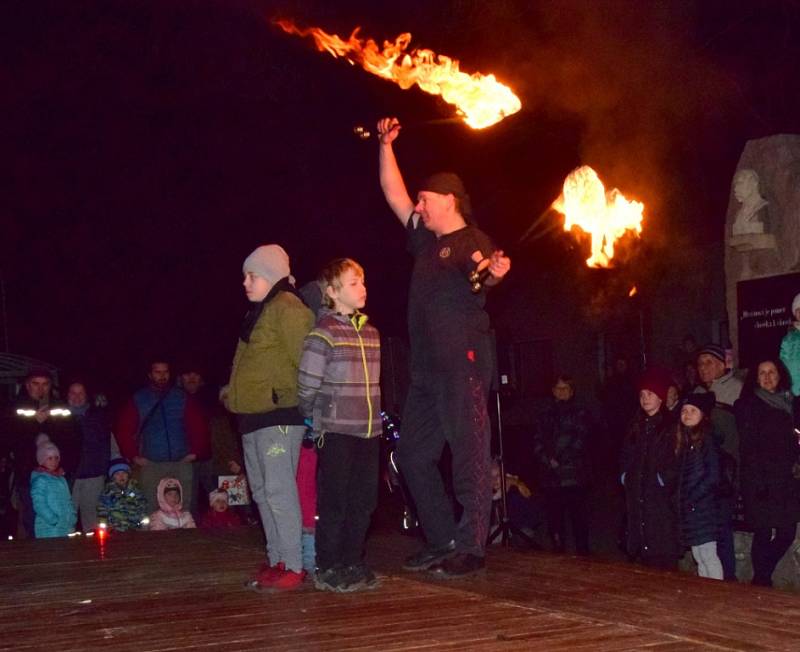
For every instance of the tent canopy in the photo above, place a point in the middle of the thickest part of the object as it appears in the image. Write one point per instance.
(13, 368)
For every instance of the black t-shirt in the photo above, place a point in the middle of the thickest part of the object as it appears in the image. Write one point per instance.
(446, 319)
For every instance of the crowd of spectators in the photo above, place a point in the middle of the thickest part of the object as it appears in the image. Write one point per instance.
(72, 465)
(701, 450)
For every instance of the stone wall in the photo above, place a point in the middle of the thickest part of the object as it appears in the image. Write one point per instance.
(787, 572)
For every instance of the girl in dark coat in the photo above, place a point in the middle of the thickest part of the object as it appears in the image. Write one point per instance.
(649, 475)
(700, 516)
(768, 450)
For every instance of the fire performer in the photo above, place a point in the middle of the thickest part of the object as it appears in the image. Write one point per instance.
(451, 364)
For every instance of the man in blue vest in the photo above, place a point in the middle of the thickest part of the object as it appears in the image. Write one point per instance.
(164, 431)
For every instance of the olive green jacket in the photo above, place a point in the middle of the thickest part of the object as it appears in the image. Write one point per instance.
(264, 374)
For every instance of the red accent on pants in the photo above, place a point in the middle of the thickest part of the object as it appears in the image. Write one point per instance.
(307, 486)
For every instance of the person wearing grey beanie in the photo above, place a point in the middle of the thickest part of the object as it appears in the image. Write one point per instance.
(47, 449)
(262, 393)
(270, 262)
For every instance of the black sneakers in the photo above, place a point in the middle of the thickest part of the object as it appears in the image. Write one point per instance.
(329, 580)
(357, 577)
(429, 556)
(461, 564)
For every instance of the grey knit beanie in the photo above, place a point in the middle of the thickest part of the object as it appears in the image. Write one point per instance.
(270, 262)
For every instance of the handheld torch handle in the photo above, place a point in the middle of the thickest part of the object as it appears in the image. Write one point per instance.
(363, 133)
(478, 277)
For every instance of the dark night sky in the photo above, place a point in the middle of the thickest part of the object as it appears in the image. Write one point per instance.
(152, 144)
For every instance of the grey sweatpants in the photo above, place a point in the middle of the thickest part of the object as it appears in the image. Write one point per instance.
(85, 495)
(271, 456)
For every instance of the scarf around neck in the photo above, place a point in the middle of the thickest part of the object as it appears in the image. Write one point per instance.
(79, 410)
(59, 472)
(257, 307)
(777, 400)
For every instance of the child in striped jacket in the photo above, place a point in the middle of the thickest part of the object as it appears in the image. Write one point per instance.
(339, 391)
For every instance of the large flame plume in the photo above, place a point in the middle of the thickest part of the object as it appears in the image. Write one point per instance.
(605, 215)
(480, 100)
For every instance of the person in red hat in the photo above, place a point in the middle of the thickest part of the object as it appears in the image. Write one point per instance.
(650, 477)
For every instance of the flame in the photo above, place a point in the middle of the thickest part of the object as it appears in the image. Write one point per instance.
(633, 291)
(479, 99)
(605, 215)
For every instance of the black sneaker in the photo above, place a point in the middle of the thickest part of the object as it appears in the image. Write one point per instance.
(329, 580)
(462, 564)
(358, 577)
(429, 556)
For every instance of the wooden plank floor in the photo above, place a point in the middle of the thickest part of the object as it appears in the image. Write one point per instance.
(184, 591)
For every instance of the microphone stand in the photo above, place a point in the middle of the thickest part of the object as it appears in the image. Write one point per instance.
(505, 528)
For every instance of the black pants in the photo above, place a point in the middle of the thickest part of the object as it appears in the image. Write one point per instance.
(767, 551)
(347, 492)
(26, 512)
(449, 407)
(563, 501)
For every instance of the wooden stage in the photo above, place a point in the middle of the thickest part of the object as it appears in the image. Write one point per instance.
(184, 591)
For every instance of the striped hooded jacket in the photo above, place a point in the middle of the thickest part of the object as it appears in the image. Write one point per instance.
(338, 382)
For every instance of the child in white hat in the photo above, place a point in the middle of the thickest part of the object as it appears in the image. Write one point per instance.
(54, 513)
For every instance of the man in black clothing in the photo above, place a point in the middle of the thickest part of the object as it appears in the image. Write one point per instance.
(36, 417)
(451, 364)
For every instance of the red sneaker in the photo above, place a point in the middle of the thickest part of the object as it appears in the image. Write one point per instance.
(268, 574)
(288, 580)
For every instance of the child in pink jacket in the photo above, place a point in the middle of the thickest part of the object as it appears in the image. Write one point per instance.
(171, 516)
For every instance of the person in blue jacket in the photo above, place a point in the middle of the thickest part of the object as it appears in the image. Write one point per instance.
(54, 513)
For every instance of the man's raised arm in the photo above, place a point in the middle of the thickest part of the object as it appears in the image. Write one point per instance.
(394, 188)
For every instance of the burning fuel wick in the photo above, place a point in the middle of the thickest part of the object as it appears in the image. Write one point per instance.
(480, 100)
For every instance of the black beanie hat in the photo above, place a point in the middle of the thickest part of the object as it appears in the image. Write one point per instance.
(449, 183)
(704, 401)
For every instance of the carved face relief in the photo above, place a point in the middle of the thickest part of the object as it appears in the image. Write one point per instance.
(745, 185)
(746, 191)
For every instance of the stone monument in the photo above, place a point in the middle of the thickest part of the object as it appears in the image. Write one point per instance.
(762, 229)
